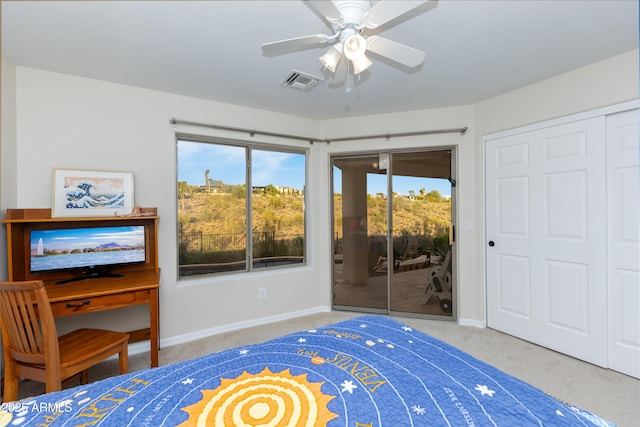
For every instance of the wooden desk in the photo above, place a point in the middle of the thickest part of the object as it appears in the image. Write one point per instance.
(91, 295)
(139, 285)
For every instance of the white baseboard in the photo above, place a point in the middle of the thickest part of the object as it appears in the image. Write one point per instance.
(143, 346)
(472, 322)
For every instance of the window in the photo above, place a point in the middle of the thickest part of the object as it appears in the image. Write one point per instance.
(222, 226)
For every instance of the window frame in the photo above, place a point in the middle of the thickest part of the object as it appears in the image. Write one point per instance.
(249, 147)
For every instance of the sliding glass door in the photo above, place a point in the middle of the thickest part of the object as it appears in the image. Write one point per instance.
(421, 207)
(360, 230)
(392, 232)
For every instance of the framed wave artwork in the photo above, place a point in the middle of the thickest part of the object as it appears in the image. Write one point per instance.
(84, 193)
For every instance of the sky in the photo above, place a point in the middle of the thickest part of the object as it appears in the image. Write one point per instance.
(377, 183)
(78, 238)
(226, 163)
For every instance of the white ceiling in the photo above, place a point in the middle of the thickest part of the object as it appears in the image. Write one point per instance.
(212, 49)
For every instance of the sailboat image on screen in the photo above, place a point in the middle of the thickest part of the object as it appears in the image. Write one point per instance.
(86, 252)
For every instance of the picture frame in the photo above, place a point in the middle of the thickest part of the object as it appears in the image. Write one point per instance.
(91, 193)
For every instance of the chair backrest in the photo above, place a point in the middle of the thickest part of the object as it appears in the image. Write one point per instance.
(410, 249)
(28, 325)
(412, 246)
(375, 250)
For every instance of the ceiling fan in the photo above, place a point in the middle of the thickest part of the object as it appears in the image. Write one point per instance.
(350, 20)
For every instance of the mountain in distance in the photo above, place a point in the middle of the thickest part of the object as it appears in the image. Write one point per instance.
(112, 245)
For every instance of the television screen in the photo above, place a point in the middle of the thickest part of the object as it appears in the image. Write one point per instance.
(86, 248)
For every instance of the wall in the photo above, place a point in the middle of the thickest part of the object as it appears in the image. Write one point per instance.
(608, 82)
(85, 123)
(597, 85)
(7, 151)
(64, 121)
(601, 84)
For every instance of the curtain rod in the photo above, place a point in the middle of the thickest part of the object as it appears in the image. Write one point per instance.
(253, 132)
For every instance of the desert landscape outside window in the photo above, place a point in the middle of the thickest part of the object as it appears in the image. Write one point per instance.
(222, 226)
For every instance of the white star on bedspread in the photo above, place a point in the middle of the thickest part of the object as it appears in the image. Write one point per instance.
(483, 389)
(187, 381)
(418, 409)
(348, 385)
(407, 329)
(244, 351)
(301, 340)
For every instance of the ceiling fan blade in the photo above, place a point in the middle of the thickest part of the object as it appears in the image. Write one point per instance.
(327, 9)
(295, 43)
(385, 11)
(397, 52)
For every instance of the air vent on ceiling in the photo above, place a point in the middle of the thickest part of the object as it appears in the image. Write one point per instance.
(299, 80)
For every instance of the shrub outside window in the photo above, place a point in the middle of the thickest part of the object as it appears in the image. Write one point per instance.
(224, 228)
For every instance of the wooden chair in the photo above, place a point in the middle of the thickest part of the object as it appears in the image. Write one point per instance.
(32, 348)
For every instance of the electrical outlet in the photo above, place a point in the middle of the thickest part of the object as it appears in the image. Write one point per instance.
(262, 293)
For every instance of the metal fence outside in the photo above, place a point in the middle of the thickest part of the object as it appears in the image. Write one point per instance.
(264, 243)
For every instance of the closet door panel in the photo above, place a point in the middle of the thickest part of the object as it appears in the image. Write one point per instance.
(623, 225)
(546, 247)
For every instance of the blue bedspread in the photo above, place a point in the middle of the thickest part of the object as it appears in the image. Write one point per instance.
(370, 371)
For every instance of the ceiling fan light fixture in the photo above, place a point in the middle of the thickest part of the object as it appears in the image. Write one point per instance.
(360, 64)
(355, 46)
(332, 57)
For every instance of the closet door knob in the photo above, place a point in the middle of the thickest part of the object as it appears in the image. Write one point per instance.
(491, 243)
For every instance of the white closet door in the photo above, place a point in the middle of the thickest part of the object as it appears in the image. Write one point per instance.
(546, 253)
(623, 190)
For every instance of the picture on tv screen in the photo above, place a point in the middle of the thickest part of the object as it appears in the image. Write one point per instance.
(77, 248)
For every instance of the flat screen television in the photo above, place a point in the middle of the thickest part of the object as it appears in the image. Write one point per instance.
(86, 252)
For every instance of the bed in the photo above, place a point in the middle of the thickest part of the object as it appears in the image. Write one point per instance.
(369, 371)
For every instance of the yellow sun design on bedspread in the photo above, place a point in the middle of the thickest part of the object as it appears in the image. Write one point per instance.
(265, 399)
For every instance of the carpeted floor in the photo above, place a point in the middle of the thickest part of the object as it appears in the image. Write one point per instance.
(609, 394)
